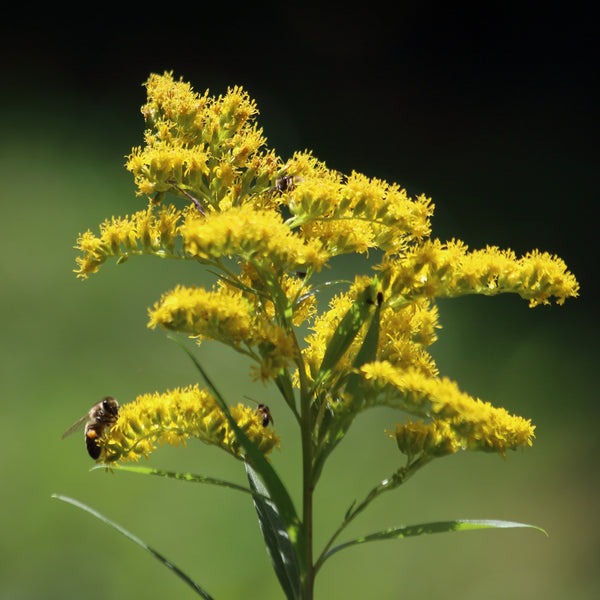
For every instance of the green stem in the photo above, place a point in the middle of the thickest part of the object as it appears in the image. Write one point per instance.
(399, 477)
(307, 479)
(307, 497)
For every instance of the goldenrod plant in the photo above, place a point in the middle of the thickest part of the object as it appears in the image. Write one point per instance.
(220, 199)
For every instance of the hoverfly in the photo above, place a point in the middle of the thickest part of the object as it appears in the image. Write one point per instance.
(100, 416)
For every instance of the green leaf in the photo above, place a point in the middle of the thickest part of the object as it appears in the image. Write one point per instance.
(346, 331)
(283, 307)
(366, 354)
(284, 384)
(318, 289)
(238, 284)
(423, 528)
(180, 476)
(368, 350)
(276, 490)
(139, 542)
(279, 545)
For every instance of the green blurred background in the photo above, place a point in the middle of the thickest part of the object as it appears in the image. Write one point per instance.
(491, 112)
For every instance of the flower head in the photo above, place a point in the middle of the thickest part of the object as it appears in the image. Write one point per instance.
(210, 147)
(174, 417)
(145, 232)
(225, 315)
(257, 236)
(475, 425)
(425, 439)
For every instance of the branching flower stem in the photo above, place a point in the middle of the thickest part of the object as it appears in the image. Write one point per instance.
(397, 479)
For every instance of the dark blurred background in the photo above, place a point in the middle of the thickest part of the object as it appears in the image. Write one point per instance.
(490, 110)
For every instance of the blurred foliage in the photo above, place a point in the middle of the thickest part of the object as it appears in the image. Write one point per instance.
(67, 343)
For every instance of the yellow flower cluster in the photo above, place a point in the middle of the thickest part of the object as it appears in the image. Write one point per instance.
(446, 270)
(225, 315)
(145, 232)
(433, 439)
(471, 423)
(359, 213)
(175, 416)
(268, 226)
(213, 315)
(257, 236)
(209, 147)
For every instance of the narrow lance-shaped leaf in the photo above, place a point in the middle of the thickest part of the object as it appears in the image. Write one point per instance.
(368, 350)
(191, 477)
(283, 382)
(279, 545)
(139, 542)
(367, 353)
(319, 288)
(276, 490)
(424, 528)
(346, 331)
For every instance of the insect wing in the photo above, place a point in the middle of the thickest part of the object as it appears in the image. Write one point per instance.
(75, 427)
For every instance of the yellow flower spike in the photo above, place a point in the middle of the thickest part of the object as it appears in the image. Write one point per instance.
(200, 143)
(546, 276)
(389, 206)
(234, 109)
(314, 195)
(145, 232)
(258, 236)
(478, 425)
(226, 316)
(220, 315)
(303, 166)
(434, 269)
(341, 236)
(193, 413)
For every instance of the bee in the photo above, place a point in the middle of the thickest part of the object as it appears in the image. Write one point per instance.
(263, 410)
(101, 415)
(284, 183)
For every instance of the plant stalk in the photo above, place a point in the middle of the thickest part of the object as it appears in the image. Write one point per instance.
(308, 483)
